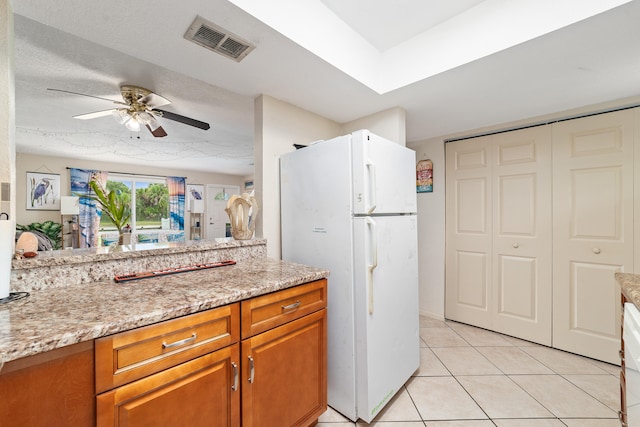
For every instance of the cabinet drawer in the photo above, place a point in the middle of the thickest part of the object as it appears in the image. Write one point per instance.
(128, 356)
(262, 313)
(200, 392)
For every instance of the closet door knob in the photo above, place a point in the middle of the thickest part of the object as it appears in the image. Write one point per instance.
(515, 245)
(596, 251)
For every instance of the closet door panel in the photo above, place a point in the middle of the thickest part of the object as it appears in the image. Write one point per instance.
(468, 230)
(593, 230)
(471, 274)
(586, 290)
(522, 261)
(516, 288)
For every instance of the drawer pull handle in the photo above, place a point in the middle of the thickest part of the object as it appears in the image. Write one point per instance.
(234, 387)
(291, 306)
(181, 342)
(251, 370)
(596, 251)
(621, 417)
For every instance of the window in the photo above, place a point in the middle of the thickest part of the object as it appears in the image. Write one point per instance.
(149, 202)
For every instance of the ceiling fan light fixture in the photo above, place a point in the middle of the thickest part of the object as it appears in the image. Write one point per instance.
(133, 125)
(139, 110)
(121, 115)
(147, 119)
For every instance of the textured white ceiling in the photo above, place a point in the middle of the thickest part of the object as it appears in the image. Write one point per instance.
(49, 58)
(94, 46)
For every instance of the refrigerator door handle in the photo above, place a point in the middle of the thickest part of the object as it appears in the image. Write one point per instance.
(371, 175)
(373, 251)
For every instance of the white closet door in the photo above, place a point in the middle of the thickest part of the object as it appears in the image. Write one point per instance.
(593, 230)
(468, 232)
(522, 256)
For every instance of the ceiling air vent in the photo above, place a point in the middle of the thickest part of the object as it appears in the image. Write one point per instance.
(217, 39)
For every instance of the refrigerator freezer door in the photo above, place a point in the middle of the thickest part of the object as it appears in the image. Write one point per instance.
(316, 183)
(386, 309)
(384, 176)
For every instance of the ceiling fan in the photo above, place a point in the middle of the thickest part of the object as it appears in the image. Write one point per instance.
(139, 109)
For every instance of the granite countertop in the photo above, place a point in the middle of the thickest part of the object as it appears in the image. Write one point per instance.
(138, 250)
(54, 318)
(630, 285)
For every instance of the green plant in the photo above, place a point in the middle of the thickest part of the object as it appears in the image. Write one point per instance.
(51, 229)
(118, 210)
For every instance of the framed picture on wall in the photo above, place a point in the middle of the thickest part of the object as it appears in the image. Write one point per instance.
(43, 191)
(194, 192)
(424, 176)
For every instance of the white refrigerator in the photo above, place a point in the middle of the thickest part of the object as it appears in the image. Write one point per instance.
(349, 205)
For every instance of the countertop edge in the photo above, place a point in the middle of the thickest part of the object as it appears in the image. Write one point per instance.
(630, 286)
(140, 250)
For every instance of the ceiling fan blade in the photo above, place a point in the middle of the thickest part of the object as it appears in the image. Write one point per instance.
(182, 119)
(154, 100)
(94, 115)
(90, 96)
(158, 133)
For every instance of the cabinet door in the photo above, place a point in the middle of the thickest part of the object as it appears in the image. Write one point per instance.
(469, 232)
(54, 388)
(201, 392)
(521, 256)
(284, 374)
(593, 230)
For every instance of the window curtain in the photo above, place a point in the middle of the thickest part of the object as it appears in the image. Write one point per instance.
(176, 186)
(89, 218)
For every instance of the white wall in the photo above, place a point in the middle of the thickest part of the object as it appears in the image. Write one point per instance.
(58, 165)
(431, 231)
(389, 124)
(279, 125)
(7, 108)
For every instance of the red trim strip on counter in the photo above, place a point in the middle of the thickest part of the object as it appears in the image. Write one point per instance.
(171, 270)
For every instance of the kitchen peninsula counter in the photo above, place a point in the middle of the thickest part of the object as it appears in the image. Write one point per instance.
(58, 316)
(64, 267)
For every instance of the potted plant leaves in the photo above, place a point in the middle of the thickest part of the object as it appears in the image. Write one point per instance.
(114, 206)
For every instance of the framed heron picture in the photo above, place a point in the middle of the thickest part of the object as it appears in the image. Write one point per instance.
(194, 192)
(43, 191)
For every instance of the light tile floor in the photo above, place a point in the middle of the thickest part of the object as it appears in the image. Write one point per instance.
(471, 377)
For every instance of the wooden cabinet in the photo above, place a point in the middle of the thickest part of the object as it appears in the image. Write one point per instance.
(55, 388)
(131, 355)
(284, 366)
(183, 371)
(201, 392)
(189, 371)
(195, 371)
(268, 311)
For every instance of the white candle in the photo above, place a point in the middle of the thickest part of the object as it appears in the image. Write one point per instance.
(7, 243)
